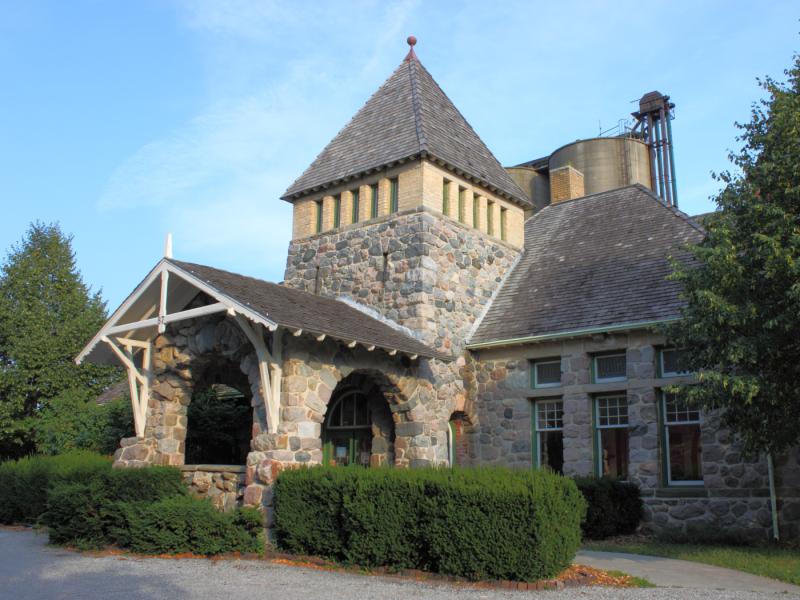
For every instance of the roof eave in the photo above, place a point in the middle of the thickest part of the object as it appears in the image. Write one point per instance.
(572, 333)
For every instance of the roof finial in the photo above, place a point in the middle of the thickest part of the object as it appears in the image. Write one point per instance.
(411, 42)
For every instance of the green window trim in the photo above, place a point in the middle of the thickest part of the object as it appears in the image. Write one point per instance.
(373, 213)
(394, 195)
(337, 210)
(318, 224)
(503, 212)
(663, 428)
(490, 217)
(476, 208)
(616, 379)
(461, 200)
(535, 384)
(597, 454)
(536, 430)
(660, 364)
(355, 194)
(446, 197)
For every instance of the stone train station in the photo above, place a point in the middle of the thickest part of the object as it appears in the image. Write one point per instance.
(440, 309)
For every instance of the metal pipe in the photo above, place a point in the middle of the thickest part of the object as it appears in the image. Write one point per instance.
(665, 152)
(773, 499)
(650, 142)
(672, 163)
(659, 162)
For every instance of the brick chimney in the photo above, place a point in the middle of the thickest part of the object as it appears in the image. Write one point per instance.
(566, 183)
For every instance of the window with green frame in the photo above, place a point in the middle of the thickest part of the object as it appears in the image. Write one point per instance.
(548, 434)
(476, 211)
(347, 431)
(318, 216)
(355, 197)
(462, 192)
(503, 217)
(681, 439)
(546, 373)
(337, 210)
(671, 363)
(611, 435)
(490, 217)
(610, 367)
(445, 197)
(394, 195)
(373, 201)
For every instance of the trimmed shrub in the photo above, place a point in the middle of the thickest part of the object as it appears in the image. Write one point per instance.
(24, 482)
(614, 507)
(485, 523)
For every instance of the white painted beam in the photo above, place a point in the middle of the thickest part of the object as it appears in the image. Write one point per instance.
(192, 313)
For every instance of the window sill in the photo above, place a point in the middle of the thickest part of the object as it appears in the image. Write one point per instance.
(215, 468)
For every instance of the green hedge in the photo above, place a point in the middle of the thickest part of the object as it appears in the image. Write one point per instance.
(485, 523)
(24, 482)
(614, 507)
(86, 503)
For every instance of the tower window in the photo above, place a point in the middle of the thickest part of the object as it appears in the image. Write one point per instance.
(393, 195)
(373, 210)
(446, 197)
(337, 210)
(503, 217)
(355, 206)
(476, 207)
(490, 217)
(462, 192)
(318, 224)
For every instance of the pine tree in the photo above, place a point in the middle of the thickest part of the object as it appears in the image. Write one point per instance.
(741, 327)
(47, 314)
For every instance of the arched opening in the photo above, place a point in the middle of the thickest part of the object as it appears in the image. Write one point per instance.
(219, 417)
(358, 427)
(456, 439)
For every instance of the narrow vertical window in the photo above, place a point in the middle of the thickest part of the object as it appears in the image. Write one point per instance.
(446, 197)
(682, 450)
(318, 224)
(337, 210)
(611, 436)
(490, 217)
(462, 192)
(373, 210)
(393, 197)
(476, 204)
(548, 427)
(355, 194)
(503, 217)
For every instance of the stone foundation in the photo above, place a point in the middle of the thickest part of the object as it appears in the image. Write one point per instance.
(223, 484)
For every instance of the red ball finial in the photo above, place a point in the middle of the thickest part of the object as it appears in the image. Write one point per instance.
(411, 40)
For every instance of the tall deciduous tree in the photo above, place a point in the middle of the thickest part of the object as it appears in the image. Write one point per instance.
(47, 314)
(741, 327)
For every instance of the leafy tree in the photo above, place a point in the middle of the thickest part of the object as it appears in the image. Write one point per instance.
(741, 327)
(47, 313)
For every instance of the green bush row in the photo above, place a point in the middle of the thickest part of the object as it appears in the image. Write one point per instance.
(482, 523)
(614, 507)
(86, 503)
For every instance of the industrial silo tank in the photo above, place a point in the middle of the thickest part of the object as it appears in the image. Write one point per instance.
(606, 163)
(535, 185)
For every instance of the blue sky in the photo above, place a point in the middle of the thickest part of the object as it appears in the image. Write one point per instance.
(125, 120)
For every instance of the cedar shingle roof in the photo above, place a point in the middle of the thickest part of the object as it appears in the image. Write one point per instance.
(409, 116)
(297, 309)
(596, 261)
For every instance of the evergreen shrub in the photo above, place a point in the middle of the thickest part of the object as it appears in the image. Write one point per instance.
(24, 482)
(483, 523)
(614, 507)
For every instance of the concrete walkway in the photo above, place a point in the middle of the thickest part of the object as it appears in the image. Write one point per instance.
(668, 572)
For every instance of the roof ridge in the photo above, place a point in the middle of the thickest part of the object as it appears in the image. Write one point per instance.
(416, 104)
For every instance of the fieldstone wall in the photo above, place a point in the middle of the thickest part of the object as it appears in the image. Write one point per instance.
(224, 485)
(424, 271)
(734, 497)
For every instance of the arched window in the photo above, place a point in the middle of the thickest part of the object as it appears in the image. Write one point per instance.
(347, 435)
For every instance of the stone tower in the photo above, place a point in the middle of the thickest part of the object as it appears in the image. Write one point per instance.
(408, 212)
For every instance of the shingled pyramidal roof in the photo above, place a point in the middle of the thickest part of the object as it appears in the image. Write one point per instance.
(408, 117)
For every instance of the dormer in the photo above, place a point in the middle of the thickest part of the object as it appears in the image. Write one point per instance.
(407, 148)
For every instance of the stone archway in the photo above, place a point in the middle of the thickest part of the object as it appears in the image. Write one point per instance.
(358, 427)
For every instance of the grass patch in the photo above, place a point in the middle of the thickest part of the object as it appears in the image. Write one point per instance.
(632, 580)
(777, 563)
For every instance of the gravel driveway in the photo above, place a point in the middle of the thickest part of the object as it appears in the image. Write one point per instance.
(30, 570)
